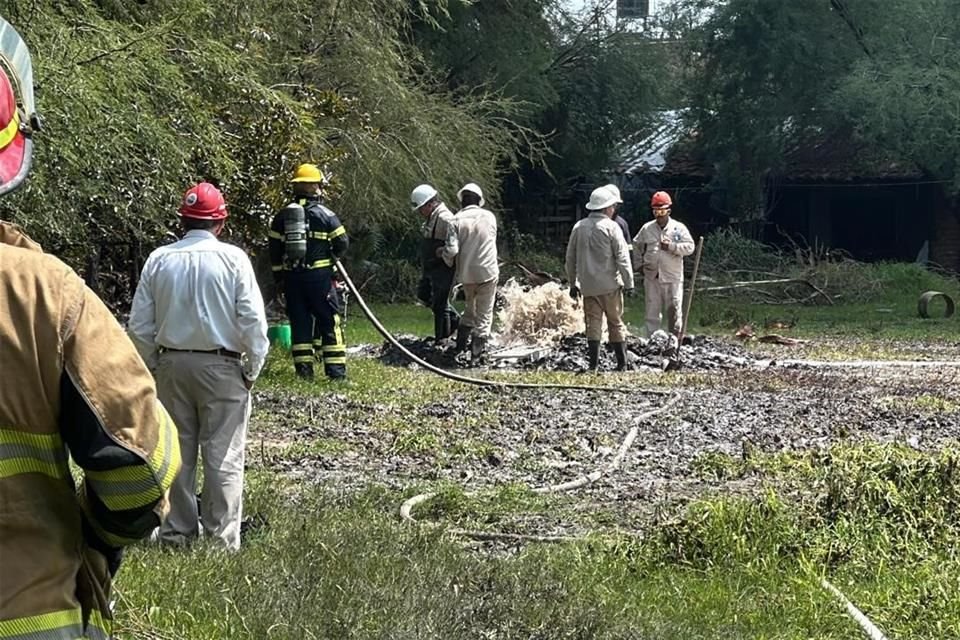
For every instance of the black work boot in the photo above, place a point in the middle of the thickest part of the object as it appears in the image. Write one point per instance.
(304, 370)
(441, 328)
(477, 346)
(593, 353)
(463, 336)
(620, 350)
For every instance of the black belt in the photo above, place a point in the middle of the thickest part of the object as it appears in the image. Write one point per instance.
(214, 352)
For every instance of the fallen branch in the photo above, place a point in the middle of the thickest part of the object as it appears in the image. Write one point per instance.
(754, 283)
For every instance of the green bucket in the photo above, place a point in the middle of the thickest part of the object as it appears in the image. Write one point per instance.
(279, 334)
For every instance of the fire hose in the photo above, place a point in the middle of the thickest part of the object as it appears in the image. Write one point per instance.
(342, 273)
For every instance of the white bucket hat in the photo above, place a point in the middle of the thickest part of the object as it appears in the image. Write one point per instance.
(601, 198)
(472, 188)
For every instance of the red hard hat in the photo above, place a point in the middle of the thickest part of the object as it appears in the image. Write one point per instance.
(661, 200)
(203, 202)
(12, 140)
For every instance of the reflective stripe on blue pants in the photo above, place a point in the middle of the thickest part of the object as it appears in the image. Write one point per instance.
(311, 298)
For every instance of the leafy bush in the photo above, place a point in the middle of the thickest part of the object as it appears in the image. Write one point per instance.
(728, 253)
(390, 280)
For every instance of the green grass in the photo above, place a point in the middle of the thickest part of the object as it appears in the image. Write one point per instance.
(884, 529)
(327, 566)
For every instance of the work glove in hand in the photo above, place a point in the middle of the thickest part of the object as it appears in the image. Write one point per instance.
(575, 293)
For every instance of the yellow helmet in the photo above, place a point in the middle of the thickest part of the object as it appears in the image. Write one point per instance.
(308, 173)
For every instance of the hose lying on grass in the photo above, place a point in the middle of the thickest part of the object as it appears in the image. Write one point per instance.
(859, 617)
(467, 379)
(406, 509)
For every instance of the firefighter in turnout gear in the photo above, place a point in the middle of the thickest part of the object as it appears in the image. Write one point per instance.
(305, 239)
(72, 388)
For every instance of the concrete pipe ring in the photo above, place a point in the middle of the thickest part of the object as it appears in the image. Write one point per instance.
(926, 298)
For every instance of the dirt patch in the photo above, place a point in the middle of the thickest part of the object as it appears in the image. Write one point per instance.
(484, 440)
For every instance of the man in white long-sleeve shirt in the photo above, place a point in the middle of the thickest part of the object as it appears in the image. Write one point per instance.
(198, 322)
(478, 268)
(659, 248)
(598, 267)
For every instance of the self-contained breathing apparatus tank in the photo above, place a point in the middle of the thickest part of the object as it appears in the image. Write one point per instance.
(294, 234)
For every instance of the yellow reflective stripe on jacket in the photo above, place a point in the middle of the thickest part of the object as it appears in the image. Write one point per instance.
(57, 625)
(319, 264)
(327, 235)
(167, 462)
(138, 486)
(98, 628)
(22, 452)
(9, 132)
(276, 235)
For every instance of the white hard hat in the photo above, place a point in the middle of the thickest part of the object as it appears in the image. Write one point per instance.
(600, 199)
(472, 188)
(615, 190)
(421, 195)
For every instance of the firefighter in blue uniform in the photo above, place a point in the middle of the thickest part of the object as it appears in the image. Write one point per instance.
(305, 239)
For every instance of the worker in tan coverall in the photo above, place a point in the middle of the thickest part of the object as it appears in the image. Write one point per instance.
(598, 267)
(478, 268)
(660, 247)
(71, 384)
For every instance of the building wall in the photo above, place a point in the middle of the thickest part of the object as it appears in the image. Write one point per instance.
(889, 222)
(945, 238)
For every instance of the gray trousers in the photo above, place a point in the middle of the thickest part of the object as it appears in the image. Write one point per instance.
(207, 400)
(663, 300)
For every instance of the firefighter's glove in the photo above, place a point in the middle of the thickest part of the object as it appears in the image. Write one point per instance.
(575, 293)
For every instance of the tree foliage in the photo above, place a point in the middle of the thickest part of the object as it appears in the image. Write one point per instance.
(904, 88)
(142, 98)
(583, 80)
(771, 72)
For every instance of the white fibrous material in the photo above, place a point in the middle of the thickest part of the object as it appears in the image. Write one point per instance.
(539, 316)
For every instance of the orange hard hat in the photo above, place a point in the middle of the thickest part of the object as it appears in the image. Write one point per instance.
(661, 200)
(203, 202)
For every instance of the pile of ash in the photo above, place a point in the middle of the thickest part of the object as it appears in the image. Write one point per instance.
(570, 354)
(440, 355)
(698, 353)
